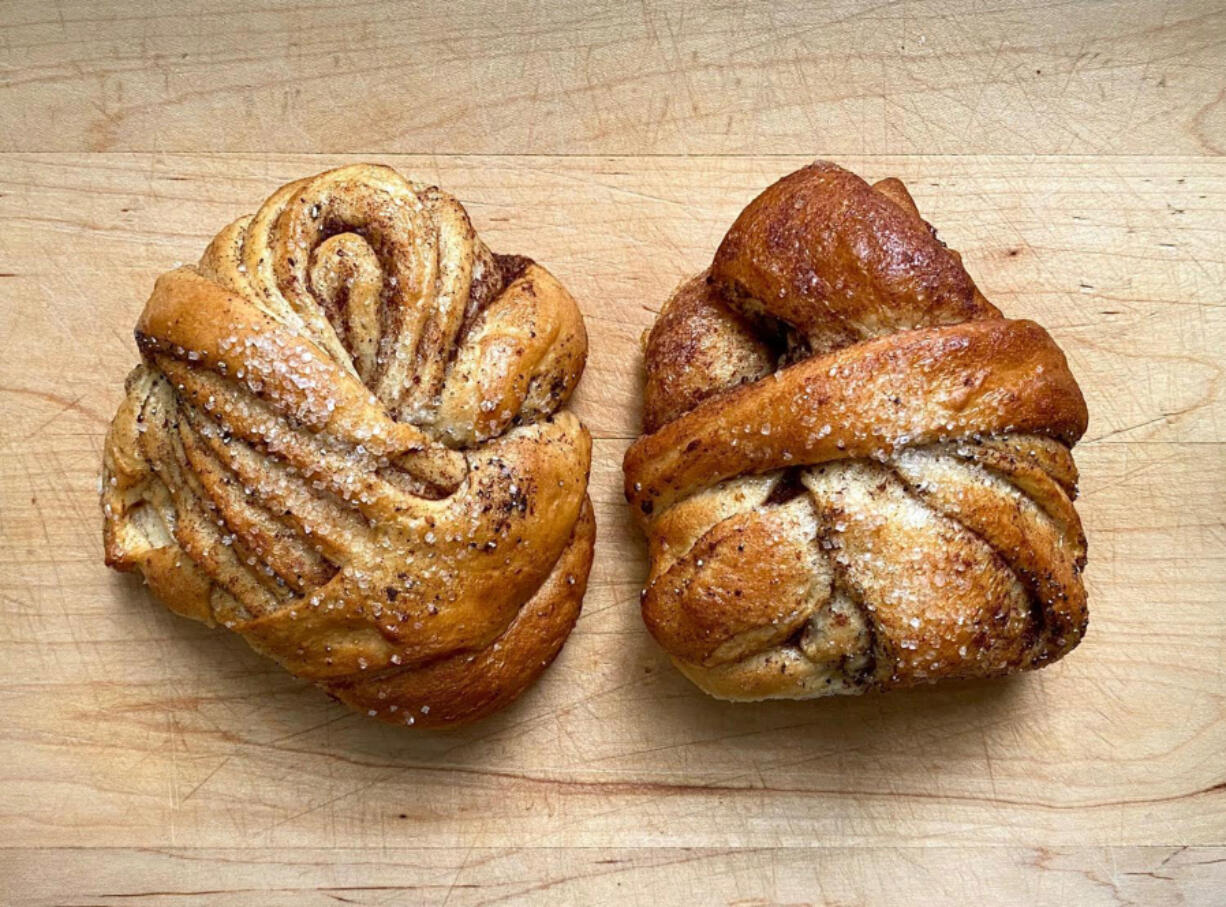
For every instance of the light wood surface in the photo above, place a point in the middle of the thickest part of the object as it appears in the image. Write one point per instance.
(146, 759)
(847, 77)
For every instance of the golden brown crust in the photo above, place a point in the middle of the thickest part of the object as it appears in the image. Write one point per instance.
(856, 472)
(841, 261)
(697, 347)
(470, 685)
(343, 443)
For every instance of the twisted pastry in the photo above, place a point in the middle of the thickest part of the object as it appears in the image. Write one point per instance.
(343, 443)
(856, 473)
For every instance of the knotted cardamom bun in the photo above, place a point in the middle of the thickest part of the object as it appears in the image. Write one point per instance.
(856, 472)
(344, 443)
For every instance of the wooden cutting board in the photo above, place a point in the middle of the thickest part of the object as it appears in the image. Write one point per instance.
(1071, 154)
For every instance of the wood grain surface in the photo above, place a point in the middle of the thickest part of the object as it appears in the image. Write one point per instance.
(845, 77)
(147, 759)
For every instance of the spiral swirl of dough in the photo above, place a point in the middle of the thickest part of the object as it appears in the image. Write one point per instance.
(344, 442)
